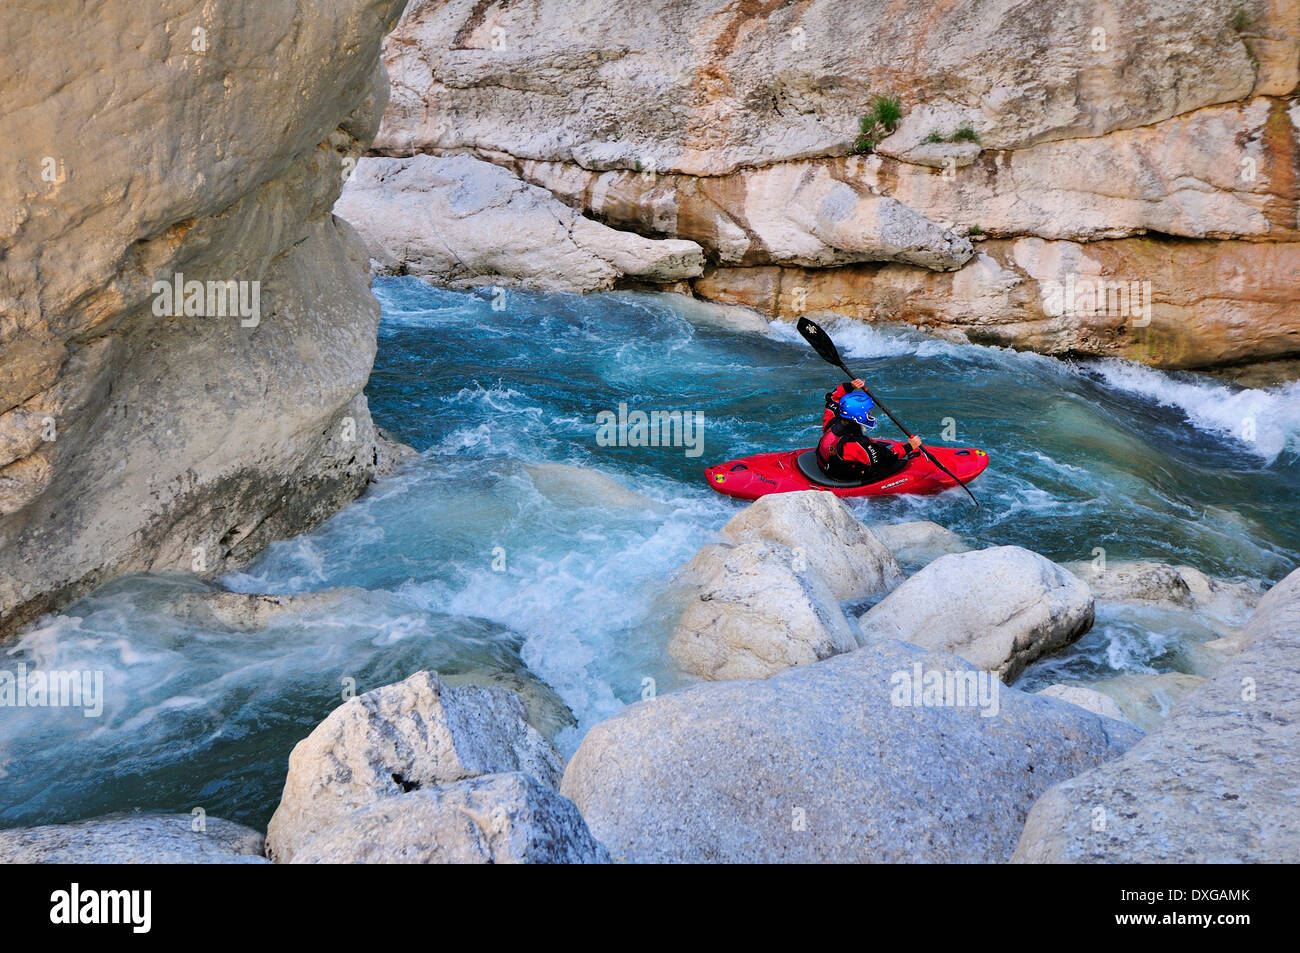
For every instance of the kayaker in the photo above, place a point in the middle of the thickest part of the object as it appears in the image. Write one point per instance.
(845, 452)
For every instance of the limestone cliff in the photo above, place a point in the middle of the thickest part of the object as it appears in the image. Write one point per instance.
(1076, 178)
(192, 147)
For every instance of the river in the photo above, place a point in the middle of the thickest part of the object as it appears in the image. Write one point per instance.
(490, 555)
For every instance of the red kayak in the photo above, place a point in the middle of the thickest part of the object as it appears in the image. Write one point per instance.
(790, 470)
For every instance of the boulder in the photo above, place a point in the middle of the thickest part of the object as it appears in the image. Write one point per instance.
(568, 486)
(543, 707)
(998, 608)
(493, 819)
(842, 551)
(1146, 698)
(247, 611)
(397, 739)
(833, 762)
(1216, 782)
(1088, 699)
(919, 543)
(463, 222)
(134, 839)
(758, 608)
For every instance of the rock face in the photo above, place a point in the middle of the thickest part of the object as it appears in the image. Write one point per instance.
(494, 819)
(1124, 146)
(998, 608)
(750, 87)
(397, 739)
(820, 528)
(817, 764)
(799, 213)
(134, 839)
(756, 608)
(1063, 297)
(1215, 783)
(462, 222)
(138, 433)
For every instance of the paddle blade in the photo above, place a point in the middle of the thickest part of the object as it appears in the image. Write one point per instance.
(935, 460)
(821, 342)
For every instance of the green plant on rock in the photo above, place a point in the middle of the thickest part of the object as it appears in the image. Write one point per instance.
(881, 119)
(886, 112)
(965, 133)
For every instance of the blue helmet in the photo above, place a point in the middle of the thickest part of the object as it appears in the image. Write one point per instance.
(857, 407)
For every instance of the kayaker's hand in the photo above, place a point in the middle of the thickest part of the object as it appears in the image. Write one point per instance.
(915, 442)
(860, 384)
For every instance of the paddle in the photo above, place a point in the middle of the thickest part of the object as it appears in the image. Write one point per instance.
(829, 353)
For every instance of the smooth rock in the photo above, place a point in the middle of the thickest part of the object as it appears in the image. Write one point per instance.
(820, 528)
(999, 608)
(919, 543)
(413, 734)
(494, 819)
(257, 427)
(567, 485)
(134, 839)
(818, 765)
(1179, 586)
(1088, 699)
(757, 608)
(463, 222)
(1216, 782)
(1147, 699)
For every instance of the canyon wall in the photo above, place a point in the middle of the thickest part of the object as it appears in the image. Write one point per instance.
(199, 148)
(1075, 178)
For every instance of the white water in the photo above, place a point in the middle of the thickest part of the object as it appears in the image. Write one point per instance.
(1106, 454)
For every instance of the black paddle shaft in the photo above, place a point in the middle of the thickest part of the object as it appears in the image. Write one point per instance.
(826, 349)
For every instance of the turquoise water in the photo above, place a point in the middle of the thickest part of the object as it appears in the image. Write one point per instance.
(484, 556)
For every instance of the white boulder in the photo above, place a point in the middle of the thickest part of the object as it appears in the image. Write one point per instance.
(998, 608)
(400, 738)
(757, 608)
(818, 527)
(494, 819)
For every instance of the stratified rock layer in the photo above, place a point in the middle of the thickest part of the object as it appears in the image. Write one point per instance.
(463, 222)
